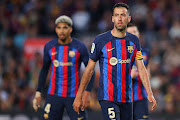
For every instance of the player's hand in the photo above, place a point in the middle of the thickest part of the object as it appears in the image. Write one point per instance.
(77, 104)
(86, 100)
(37, 101)
(134, 73)
(153, 101)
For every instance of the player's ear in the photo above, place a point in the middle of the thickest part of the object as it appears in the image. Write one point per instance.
(113, 19)
(56, 29)
(71, 30)
(129, 19)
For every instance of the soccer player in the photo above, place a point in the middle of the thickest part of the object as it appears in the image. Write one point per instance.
(116, 50)
(140, 102)
(65, 54)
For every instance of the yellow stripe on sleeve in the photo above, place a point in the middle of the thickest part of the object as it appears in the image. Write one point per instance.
(138, 55)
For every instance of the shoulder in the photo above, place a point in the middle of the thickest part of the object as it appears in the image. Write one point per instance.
(78, 44)
(103, 36)
(134, 39)
(51, 43)
(102, 39)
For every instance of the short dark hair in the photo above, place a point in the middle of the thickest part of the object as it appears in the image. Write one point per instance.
(131, 25)
(121, 5)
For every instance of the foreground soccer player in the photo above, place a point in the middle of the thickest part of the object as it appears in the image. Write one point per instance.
(116, 50)
(140, 102)
(65, 54)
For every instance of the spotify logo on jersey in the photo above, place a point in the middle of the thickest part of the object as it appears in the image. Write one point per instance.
(56, 63)
(113, 61)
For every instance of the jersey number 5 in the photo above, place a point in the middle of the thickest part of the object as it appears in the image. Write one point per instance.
(111, 113)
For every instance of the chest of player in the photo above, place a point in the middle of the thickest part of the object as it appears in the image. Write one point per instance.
(118, 51)
(64, 56)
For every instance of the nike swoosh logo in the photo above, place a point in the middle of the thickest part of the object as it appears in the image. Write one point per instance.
(54, 53)
(110, 49)
(81, 118)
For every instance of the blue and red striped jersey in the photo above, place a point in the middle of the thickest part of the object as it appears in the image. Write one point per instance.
(116, 57)
(65, 61)
(139, 91)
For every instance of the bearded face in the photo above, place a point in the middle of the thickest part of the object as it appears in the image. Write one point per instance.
(120, 18)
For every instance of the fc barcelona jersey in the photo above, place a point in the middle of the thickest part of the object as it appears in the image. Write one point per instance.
(65, 61)
(116, 57)
(139, 91)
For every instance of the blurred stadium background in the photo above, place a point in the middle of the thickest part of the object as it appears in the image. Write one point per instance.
(26, 25)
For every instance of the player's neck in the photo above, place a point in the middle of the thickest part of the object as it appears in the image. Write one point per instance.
(67, 41)
(117, 33)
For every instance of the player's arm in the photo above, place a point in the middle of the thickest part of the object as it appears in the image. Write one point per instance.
(85, 59)
(89, 71)
(86, 94)
(145, 81)
(143, 74)
(42, 79)
(148, 71)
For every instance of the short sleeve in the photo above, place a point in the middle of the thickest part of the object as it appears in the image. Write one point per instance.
(84, 55)
(95, 50)
(138, 53)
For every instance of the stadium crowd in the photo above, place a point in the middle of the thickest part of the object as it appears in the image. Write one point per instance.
(158, 22)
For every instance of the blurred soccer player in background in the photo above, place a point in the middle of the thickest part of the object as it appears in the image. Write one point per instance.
(140, 102)
(116, 50)
(65, 54)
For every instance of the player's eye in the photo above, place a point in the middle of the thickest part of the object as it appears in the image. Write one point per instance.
(123, 14)
(58, 27)
(116, 15)
(65, 27)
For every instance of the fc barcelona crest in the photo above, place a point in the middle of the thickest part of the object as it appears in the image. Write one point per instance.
(71, 53)
(130, 49)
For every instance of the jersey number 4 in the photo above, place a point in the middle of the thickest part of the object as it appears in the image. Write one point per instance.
(47, 108)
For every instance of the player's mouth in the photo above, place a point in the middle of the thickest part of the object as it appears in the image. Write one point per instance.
(120, 23)
(61, 35)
